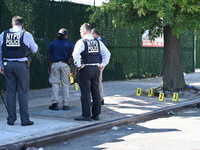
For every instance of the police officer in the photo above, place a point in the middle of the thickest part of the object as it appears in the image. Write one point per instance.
(14, 48)
(96, 35)
(58, 55)
(86, 57)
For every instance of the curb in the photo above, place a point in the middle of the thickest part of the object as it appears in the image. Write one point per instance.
(78, 132)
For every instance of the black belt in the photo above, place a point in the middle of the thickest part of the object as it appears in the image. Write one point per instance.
(61, 61)
(16, 61)
(91, 65)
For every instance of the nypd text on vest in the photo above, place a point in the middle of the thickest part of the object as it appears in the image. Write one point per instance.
(92, 46)
(13, 39)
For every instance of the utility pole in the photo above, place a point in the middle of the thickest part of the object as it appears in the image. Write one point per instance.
(94, 2)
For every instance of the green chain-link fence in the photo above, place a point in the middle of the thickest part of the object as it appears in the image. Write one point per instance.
(130, 60)
(43, 18)
(197, 37)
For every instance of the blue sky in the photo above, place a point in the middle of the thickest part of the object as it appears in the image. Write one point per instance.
(87, 2)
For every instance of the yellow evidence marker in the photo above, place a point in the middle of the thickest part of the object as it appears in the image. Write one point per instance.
(151, 92)
(60, 83)
(71, 78)
(175, 97)
(161, 97)
(75, 86)
(139, 92)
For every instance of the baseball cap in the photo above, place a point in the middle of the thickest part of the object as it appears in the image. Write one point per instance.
(63, 31)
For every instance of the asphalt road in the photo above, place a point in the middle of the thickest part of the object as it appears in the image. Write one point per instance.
(173, 132)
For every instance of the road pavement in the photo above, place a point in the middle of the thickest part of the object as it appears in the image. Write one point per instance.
(170, 132)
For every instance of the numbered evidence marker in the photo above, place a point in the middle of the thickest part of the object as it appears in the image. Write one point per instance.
(75, 86)
(139, 92)
(175, 97)
(60, 83)
(161, 97)
(71, 78)
(150, 92)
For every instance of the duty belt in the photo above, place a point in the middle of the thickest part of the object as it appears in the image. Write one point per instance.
(16, 61)
(61, 61)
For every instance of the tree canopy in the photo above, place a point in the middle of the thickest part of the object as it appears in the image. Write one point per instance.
(168, 18)
(180, 15)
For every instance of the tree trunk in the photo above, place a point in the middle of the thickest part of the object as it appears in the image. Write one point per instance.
(173, 78)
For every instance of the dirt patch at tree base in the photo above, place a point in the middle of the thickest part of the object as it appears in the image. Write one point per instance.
(187, 92)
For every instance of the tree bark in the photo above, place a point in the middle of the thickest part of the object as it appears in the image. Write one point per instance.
(172, 70)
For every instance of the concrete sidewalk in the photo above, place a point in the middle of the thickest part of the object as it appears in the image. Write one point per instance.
(121, 106)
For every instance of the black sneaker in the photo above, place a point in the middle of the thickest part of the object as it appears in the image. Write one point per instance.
(29, 123)
(102, 102)
(10, 123)
(95, 117)
(65, 107)
(81, 118)
(54, 106)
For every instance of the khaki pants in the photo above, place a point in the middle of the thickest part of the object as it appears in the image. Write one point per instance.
(60, 72)
(101, 85)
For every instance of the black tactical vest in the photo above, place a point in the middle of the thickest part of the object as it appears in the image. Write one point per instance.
(13, 45)
(91, 54)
